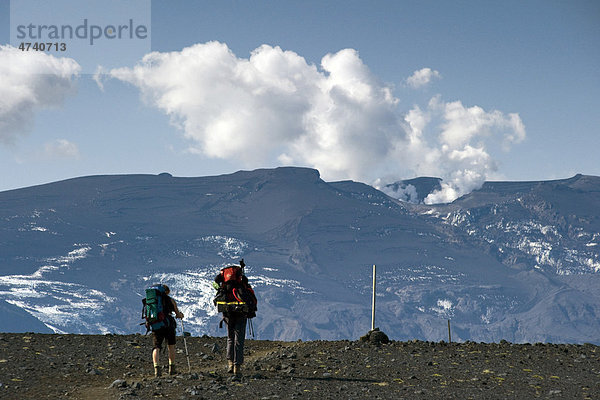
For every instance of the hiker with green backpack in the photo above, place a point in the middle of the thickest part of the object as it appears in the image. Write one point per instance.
(158, 307)
(236, 300)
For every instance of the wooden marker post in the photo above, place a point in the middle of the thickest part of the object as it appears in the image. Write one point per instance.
(449, 335)
(373, 302)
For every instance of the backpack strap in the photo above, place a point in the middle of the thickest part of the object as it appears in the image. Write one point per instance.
(233, 291)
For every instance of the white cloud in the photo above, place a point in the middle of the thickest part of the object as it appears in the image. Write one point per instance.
(61, 148)
(272, 106)
(30, 81)
(422, 77)
(462, 124)
(275, 108)
(228, 107)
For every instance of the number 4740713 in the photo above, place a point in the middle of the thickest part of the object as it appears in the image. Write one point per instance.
(36, 46)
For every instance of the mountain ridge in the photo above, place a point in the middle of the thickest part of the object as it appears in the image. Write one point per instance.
(310, 245)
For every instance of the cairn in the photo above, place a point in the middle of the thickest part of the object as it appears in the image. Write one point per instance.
(375, 337)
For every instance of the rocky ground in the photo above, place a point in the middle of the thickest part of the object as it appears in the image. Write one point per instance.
(38, 366)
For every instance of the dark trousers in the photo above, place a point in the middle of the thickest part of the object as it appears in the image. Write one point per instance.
(236, 335)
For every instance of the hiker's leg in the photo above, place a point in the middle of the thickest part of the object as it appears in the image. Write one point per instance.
(230, 338)
(157, 341)
(172, 369)
(155, 361)
(171, 348)
(240, 337)
(171, 338)
(171, 341)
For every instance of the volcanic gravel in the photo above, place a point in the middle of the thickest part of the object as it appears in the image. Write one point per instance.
(38, 366)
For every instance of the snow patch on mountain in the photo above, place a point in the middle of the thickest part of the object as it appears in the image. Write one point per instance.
(443, 308)
(229, 247)
(72, 256)
(420, 274)
(545, 244)
(61, 306)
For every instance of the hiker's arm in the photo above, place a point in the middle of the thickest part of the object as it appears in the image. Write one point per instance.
(178, 314)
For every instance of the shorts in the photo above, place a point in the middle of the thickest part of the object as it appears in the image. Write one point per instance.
(167, 334)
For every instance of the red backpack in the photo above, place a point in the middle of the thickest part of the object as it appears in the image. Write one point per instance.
(233, 273)
(235, 294)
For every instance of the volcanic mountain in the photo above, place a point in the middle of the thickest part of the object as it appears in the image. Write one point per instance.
(513, 260)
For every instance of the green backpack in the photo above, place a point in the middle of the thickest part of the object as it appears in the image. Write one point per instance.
(154, 310)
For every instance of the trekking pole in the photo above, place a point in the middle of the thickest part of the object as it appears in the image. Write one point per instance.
(185, 345)
(250, 328)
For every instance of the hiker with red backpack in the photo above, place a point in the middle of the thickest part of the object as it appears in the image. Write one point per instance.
(158, 307)
(236, 300)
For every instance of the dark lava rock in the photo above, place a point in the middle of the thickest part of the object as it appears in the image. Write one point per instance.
(375, 337)
(119, 383)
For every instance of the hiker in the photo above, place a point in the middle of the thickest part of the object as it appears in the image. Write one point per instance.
(228, 281)
(167, 332)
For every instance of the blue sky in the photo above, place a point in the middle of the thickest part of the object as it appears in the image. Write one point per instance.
(508, 90)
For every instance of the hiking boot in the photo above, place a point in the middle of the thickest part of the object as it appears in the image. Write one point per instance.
(237, 369)
(230, 367)
(157, 372)
(172, 370)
